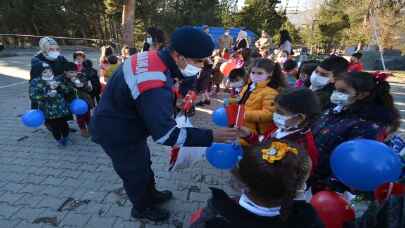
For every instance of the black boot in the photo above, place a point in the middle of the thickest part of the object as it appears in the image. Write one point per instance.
(151, 213)
(159, 197)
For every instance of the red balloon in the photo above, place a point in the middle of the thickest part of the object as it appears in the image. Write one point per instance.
(381, 193)
(332, 208)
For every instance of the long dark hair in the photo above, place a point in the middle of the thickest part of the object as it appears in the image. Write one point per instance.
(106, 51)
(276, 182)
(284, 36)
(277, 80)
(380, 95)
(300, 101)
(307, 68)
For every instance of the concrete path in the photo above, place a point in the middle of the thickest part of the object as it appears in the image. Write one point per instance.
(43, 186)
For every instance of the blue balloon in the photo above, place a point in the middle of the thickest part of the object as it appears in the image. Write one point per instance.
(224, 156)
(364, 164)
(33, 118)
(220, 118)
(79, 106)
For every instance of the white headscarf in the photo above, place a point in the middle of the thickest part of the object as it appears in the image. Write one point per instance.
(242, 35)
(45, 43)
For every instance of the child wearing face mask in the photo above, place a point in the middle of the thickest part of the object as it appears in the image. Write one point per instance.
(78, 59)
(83, 89)
(258, 96)
(296, 109)
(237, 79)
(324, 76)
(304, 72)
(50, 93)
(363, 108)
(290, 68)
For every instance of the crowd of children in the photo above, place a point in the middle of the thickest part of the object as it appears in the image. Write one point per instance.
(294, 115)
(53, 89)
(291, 109)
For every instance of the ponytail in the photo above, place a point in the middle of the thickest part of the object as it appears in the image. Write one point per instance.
(379, 90)
(277, 80)
(382, 96)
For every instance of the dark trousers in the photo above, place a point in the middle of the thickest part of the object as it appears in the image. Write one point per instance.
(132, 163)
(59, 127)
(34, 105)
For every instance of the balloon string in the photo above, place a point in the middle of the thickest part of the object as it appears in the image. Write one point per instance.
(390, 188)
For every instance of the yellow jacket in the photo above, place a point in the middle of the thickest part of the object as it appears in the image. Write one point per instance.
(110, 71)
(259, 107)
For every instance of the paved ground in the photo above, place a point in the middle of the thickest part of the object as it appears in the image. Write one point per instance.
(43, 186)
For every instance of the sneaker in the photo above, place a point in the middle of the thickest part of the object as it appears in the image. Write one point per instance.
(68, 141)
(61, 142)
(64, 141)
(159, 197)
(151, 213)
(72, 130)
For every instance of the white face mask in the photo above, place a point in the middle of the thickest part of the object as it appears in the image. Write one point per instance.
(258, 78)
(340, 99)
(149, 40)
(236, 85)
(47, 75)
(226, 33)
(52, 55)
(281, 121)
(317, 81)
(190, 70)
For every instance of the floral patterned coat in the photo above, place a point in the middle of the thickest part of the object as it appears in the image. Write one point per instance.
(52, 106)
(334, 128)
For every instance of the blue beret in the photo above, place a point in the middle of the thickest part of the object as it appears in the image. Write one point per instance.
(192, 43)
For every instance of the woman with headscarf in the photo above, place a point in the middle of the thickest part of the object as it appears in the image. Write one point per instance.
(285, 42)
(264, 43)
(242, 40)
(49, 53)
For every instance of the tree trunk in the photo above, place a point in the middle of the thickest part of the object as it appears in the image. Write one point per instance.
(128, 13)
(98, 23)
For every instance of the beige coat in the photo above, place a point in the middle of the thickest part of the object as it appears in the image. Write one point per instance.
(263, 43)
